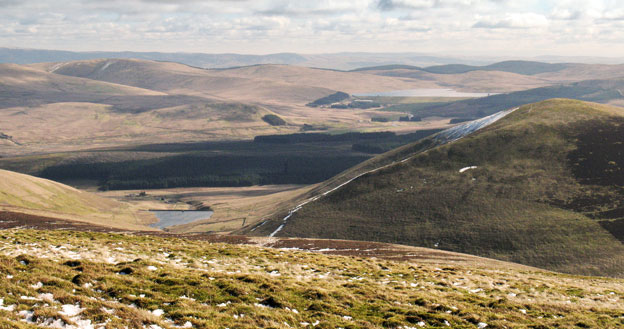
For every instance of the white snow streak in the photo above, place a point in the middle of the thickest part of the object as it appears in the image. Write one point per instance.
(467, 168)
(108, 63)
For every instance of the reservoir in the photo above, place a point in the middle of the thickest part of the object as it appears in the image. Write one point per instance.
(168, 218)
(424, 93)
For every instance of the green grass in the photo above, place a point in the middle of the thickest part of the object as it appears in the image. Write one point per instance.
(218, 286)
(527, 201)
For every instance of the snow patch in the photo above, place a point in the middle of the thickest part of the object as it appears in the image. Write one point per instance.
(47, 297)
(9, 308)
(71, 310)
(467, 168)
(457, 132)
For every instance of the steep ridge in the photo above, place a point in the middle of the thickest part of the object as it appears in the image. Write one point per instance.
(37, 196)
(542, 187)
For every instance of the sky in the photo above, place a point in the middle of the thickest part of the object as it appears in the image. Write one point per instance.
(450, 27)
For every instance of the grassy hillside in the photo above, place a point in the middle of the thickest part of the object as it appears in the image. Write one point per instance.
(24, 86)
(548, 179)
(23, 193)
(56, 278)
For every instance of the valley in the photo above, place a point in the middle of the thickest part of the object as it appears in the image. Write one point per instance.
(147, 194)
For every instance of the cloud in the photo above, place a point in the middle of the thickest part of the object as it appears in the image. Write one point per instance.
(566, 14)
(388, 5)
(313, 8)
(614, 15)
(310, 26)
(7, 3)
(405, 4)
(512, 21)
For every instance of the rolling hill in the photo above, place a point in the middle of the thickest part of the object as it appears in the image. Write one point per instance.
(608, 91)
(257, 83)
(541, 186)
(45, 111)
(31, 195)
(519, 67)
(70, 106)
(553, 71)
(24, 86)
(501, 77)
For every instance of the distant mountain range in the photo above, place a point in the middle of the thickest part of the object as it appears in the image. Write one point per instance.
(519, 67)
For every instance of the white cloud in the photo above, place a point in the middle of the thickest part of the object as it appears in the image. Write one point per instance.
(512, 21)
(264, 26)
(616, 15)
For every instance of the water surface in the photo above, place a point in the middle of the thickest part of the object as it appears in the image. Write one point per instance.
(178, 217)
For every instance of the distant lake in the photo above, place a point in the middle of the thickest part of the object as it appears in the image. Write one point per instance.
(178, 217)
(424, 93)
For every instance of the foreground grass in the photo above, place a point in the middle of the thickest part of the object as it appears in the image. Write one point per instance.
(96, 280)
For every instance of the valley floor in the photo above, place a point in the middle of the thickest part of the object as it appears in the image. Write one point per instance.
(234, 207)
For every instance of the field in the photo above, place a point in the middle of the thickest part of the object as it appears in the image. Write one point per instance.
(114, 280)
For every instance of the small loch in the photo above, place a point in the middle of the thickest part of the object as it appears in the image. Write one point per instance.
(168, 218)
